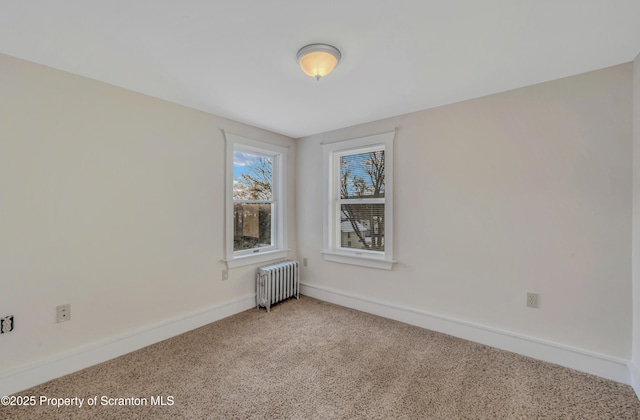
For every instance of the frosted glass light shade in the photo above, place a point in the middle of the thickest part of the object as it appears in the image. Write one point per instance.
(318, 60)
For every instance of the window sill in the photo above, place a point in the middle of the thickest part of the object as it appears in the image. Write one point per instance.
(361, 260)
(256, 258)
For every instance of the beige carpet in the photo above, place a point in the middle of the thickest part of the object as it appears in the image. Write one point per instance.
(309, 359)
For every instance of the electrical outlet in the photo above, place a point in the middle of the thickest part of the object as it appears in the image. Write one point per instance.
(304, 261)
(225, 274)
(64, 312)
(532, 300)
(7, 324)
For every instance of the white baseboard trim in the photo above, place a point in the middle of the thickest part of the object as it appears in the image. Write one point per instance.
(71, 361)
(582, 360)
(635, 377)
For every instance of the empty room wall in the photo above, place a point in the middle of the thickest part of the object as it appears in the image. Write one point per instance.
(111, 201)
(527, 190)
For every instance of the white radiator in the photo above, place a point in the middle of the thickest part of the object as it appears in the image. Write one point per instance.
(276, 282)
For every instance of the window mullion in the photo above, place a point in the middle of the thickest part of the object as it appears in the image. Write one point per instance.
(361, 201)
(254, 201)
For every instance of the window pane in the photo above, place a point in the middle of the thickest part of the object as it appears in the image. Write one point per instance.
(252, 176)
(362, 175)
(362, 226)
(252, 226)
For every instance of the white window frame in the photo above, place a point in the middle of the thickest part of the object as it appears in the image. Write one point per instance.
(333, 251)
(279, 249)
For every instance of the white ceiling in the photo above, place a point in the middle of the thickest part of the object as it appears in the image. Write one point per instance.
(237, 58)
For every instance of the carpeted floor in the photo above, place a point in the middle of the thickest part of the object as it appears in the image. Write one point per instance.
(309, 359)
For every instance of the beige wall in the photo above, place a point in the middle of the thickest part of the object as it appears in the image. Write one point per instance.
(527, 190)
(111, 201)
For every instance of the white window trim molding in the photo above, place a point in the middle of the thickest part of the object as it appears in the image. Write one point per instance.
(257, 258)
(279, 250)
(331, 251)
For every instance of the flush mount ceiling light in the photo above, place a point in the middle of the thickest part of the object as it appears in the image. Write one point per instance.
(317, 60)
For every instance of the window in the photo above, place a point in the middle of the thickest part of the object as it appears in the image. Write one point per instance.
(255, 205)
(358, 211)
